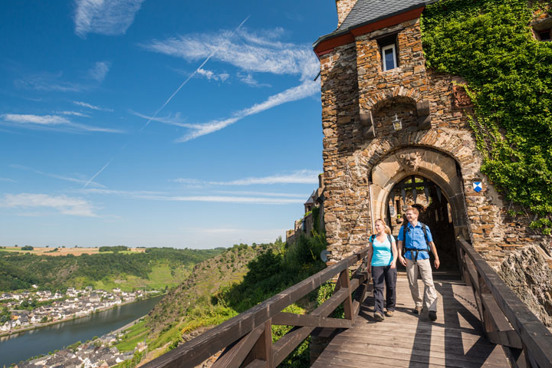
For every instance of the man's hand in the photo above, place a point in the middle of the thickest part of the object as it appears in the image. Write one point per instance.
(437, 263)
(402, 260)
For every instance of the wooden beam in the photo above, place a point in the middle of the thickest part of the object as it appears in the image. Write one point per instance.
(497, 327)
(202, 347)
(291, 319)
(536, 338)
(235, 356)
(284, 346)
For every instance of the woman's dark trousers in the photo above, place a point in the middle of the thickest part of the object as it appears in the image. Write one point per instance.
(381, 274)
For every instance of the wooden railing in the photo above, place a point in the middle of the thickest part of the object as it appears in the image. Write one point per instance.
(506, 319)
(247, 338)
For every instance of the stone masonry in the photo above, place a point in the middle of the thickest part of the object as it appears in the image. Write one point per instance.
(343, 9)
(364, 157)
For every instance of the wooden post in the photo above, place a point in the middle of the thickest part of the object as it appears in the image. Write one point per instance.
(343, 282)
(262, 350)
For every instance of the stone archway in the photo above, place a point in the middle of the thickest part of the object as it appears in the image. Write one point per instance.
(436, 166)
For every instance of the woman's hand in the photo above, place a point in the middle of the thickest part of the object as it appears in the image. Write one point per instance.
(393, 265)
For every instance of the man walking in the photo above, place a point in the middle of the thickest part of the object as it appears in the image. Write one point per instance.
(417, 241)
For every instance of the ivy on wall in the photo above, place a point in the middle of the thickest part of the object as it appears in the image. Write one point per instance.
(509, 74)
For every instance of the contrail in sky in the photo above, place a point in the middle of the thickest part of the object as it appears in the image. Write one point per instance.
(191, 76)
(98, 173)
(169, 99)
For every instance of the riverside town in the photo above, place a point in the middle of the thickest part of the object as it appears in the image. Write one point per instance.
(17, 312)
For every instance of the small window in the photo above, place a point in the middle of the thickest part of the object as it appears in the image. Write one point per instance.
(389, 52)
(389, 57)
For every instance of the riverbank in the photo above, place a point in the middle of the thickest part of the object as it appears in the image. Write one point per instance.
(72, 318)
(52, 342)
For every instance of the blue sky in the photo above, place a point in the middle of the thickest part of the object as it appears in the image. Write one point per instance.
(158, 123)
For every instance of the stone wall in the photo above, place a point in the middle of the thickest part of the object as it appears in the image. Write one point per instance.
(362, 152)
(528, 274)
(343, 9)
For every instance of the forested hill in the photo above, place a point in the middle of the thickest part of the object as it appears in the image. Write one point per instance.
(153, 268)
(226, 285)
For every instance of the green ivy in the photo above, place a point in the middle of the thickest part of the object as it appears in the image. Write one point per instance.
(490, 44)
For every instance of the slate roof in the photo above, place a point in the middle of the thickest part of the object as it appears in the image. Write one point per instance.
(369, 11)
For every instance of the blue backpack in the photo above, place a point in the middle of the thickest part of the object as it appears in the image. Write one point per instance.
(415, 250)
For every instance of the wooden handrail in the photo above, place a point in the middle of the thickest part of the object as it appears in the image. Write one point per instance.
(245, 337)
(507, 320)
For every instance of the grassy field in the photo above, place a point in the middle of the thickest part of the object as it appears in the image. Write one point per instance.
(133, 336)
(160, 276)
(53, 251)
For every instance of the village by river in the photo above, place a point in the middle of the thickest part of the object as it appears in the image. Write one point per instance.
(99, 321)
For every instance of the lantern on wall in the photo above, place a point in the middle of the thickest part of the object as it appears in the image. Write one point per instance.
(397, 123)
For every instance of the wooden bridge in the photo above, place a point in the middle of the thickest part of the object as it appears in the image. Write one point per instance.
(481, 323)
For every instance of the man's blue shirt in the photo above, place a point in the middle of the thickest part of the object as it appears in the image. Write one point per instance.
(415, 239)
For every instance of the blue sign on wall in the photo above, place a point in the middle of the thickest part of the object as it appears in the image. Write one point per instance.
(477, 186)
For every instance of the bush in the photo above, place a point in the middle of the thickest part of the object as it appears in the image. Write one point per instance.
(490, 44)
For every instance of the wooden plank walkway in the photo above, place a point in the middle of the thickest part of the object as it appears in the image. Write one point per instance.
(456, 339)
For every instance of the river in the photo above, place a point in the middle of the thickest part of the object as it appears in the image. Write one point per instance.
(23, 346)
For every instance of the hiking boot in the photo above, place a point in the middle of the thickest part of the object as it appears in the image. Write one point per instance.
(378, 317)
(417, 310)
(432, 315)
(389, 313)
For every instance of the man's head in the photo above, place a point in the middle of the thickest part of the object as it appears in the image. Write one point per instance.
(412, 214)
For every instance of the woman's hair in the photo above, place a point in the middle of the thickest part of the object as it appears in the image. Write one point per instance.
(387, 229)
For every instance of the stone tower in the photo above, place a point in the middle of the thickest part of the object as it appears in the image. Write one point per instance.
(397, 133)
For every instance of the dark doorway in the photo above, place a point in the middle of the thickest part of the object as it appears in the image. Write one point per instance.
(435, 212)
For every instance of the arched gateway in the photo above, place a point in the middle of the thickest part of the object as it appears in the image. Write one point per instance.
(428, 179)
(388, 119)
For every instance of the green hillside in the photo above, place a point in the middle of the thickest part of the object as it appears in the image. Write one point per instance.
(154, 268)
(226, 285)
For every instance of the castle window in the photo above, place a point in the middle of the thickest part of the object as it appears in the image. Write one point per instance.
(389, 56)
(388, 50)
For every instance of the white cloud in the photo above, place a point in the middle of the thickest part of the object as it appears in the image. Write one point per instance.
(243, 199)
(267, 194)
(63, 204)
(248, 51)
(210, 75)
(54, 122)
(226, 236)
(99, 70)
(228, 199)
(55, 176)
(35, 119)
(122, 193)
(306, 89)
(89, 128)
(111, 17)
(175, 120)
(297, 177)
(48, 82)
(74, 113)
(91, 107)
(251, 81)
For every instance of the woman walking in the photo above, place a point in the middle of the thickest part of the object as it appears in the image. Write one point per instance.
(382, 260)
